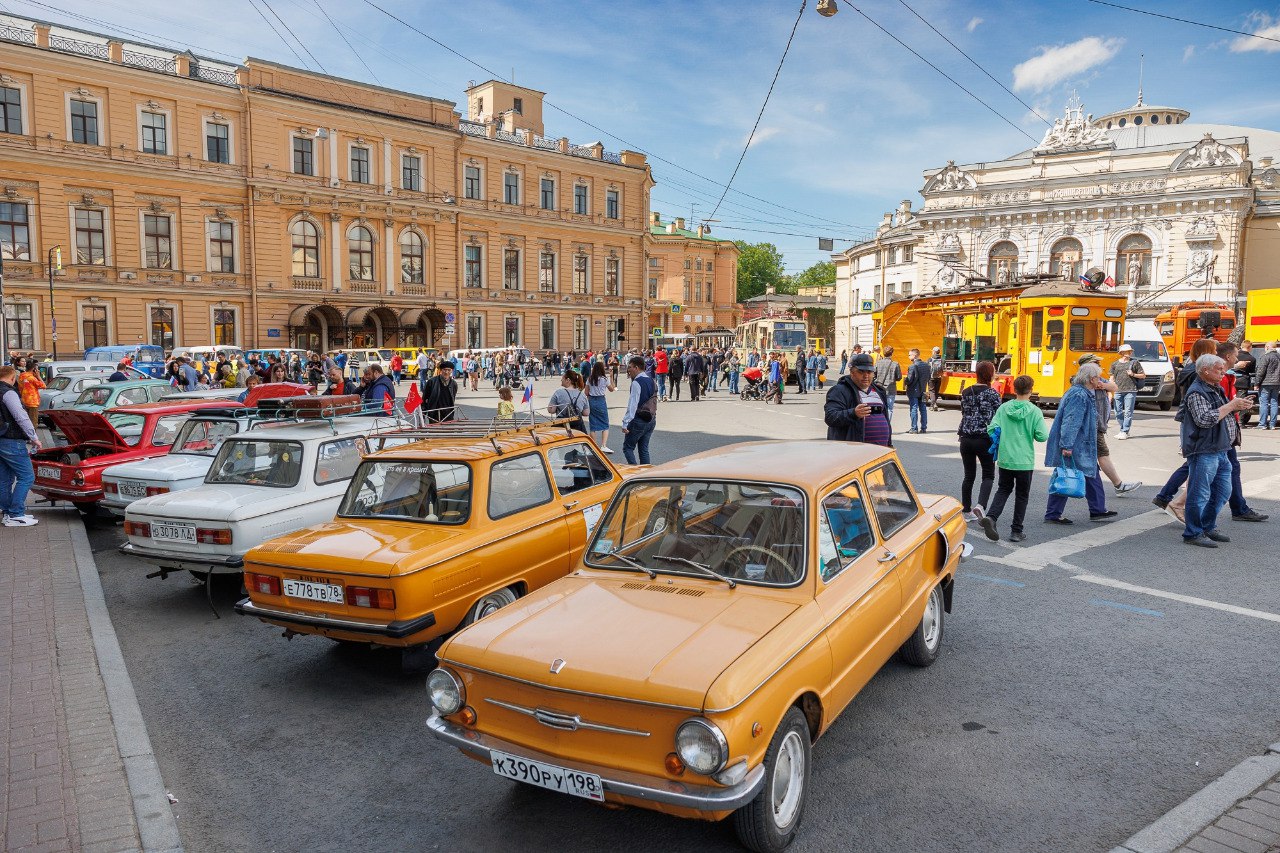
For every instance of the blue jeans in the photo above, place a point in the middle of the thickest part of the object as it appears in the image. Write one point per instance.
(713, 380)
(1124, 403)
(1268, 406)
(1176, 479)
(16, 476)
(918, 405)
(1094, 495)
(1208, 487)
(637, 435)
(813, 379)
(733, 382)
(662, 385)
(889, 398)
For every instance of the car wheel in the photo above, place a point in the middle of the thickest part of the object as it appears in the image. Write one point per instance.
(769, 823)
(488, 604)
(925, 643)
(1166, 405)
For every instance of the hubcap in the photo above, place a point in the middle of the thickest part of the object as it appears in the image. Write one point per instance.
(787, 784)
(933, 619)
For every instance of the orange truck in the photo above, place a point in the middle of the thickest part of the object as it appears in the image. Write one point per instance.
(1180, 326)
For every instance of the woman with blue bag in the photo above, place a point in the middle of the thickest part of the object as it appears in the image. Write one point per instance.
(1073, 447)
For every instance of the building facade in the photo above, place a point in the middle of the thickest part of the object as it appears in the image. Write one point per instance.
(263, 205)
(692, 279)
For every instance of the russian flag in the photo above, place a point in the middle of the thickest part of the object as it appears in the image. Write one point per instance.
(528, 391)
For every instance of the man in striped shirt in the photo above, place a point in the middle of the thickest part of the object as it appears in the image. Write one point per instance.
(855, 409)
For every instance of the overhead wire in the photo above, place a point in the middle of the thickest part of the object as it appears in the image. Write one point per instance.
(288, 29)
(1185, 21)
(347, 42)
(264, 17)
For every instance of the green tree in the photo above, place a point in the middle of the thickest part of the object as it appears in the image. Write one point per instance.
(759, 265)
(822, 273)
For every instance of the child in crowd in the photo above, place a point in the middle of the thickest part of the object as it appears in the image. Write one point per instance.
(506, 407)
(1017, 425)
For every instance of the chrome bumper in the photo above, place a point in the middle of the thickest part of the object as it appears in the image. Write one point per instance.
(397, 630)
(183, 559)
(620, 783)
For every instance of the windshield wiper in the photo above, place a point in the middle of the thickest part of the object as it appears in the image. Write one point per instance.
(635, 564)
(702, 567)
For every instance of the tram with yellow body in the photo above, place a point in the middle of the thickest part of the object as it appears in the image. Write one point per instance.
(1039, 328)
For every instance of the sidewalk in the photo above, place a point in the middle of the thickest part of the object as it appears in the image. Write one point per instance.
(78, 772)
(1237, 813)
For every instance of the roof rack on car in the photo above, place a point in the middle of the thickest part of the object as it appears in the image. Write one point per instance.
(492, 429)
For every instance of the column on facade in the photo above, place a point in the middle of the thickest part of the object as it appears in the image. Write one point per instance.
(335, 251)
(333, 157)
(388, 176)
(388, 231)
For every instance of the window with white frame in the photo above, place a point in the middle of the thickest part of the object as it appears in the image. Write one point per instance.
(475, 331)
(84, 121)
(412, 250)
(15, 232)
(10, 109)
(611, 269)
(697, 291)
(155, 132)
(581, 338)
(91, 237)
(94, 330)
(360, 253)
(547, 272)
(472, 270)
(906, 288)
(304, 161)
(908, 253)
(222, 246)
(611, 204)
(161, 318)
(225, 327)
(217, 142)
(653, 288)
(612, 333)
(511, 331)
(580, 205)
(547, 200)
(581, 278)
(548, 338)
(510, 269)
(511, 188)
(471, 182)
(411, 172)
(20, 326)
(360, 164)
(157, 247)
(305, 240)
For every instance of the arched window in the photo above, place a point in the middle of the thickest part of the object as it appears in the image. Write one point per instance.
(360, 253)
(1133, 262)
(1002, 262)
(411, 251)
(306, 249)
(1064, 258)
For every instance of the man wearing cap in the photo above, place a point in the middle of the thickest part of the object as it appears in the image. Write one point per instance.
(439, 394)
(1125, 375)
(855, 409)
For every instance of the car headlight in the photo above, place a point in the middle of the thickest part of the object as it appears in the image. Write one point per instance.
(1168, 377)
(701, 746)
(446, 692)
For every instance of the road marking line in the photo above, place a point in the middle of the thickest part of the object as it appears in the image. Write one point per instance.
(1011, 561)
(953, 455)
(990, 579)
(1102, 602)
(1174, 596)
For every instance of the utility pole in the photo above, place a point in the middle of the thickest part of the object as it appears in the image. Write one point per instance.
(55, 257)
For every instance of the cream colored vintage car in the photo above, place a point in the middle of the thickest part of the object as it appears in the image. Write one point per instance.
(727, 609)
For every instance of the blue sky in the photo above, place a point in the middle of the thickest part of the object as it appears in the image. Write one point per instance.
(852, 123)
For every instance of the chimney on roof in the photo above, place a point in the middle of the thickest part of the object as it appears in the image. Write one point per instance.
(701, 231)
(904, 210)
(671, 228)
(657, 218)
(887, 221)
(680, 223)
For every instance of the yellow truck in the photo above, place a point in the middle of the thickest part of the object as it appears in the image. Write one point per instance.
(1262, 315)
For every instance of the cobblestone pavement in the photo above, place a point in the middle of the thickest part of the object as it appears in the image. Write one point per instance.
(1252, 826)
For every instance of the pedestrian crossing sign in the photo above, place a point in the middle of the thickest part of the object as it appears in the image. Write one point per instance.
(868, 305)
(657, 331)
(676, 309)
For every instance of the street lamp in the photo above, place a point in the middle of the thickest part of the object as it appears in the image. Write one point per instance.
(55, 263)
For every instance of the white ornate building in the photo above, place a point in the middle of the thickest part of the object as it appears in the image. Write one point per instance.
(1169, 210)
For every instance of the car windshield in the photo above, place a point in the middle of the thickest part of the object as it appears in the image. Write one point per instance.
(1148, 351)
(203, 438)
(384, 354)
(257, 462)
(128, 426)
(97, 396)
(435, 492)
(789, 338)
(749, 532)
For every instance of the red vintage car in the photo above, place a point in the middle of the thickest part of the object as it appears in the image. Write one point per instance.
(96, 440)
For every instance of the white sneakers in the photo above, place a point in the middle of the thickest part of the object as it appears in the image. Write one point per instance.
(20, 521)
(1122, 436)
(1123, 488)
(607, 450)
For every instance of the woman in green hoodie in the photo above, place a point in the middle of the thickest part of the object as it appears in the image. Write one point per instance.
(1017, 425)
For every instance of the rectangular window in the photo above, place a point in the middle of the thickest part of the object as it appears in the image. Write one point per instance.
(511, 188)
(517, 104)
(91, 238)
(710, 266)
(224, 326)
(511, 331)
(906, 288)
(611, 204)
(891, 499)
(580, 199)
(10, 109)
(510, 269)
(687, 288)
(710, 299)
(548, 200)
(844, 530)
(411, 173)
(20, 326)
(222, 252)
(155, 133)
(548, 333)
(518, 484)
(15, 234)
(547, 272)
(471, 182)
(611, 276)
(580, 281)
(697, 291)
(581, 340)
(84, 122)
(471, 265)
(891, 256)
(217, 143)
(908, 253)
(360, 165)
(156, 242)
(653, 288)
(1037, 329)
(304, 156)
(93, 325)
(161, 326)
(475, 336)
(612, 333)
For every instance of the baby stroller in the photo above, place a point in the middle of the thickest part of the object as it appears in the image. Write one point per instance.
(755, 389)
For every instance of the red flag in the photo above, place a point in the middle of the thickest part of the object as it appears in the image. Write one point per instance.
(414, 400)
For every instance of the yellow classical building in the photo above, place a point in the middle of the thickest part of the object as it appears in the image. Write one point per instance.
(195, 201)
(692, 279)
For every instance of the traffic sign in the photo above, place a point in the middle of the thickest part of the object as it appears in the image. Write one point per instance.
(449, 329)
(868, 305)
(448, 318)
(676, 309)
(657, 331)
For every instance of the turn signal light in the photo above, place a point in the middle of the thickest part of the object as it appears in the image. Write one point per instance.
(467, 716)
(209, 536)
(137, 528)
(264, 584)
(152, 491)
(110, 488)
(378, 599)
(674, 765)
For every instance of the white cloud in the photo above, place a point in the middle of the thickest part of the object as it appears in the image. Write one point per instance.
(973, 24)
(763, 134)
(1268, 28)
(1188, 52)
(1055, 64)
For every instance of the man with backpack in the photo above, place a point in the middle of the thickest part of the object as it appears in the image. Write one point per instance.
(919, 380)
(937, 372)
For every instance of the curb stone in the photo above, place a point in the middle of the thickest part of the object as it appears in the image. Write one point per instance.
(156, 824)
(1205, 806)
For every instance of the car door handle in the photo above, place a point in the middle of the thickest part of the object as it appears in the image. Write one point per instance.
(889, 556)
(570, 504)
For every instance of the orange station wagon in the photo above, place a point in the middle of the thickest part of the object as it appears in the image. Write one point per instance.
(729, 606)
(436, 534)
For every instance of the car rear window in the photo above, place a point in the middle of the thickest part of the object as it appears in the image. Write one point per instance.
(257, 462)
(337, 460)
(434, 492)
(202, 437)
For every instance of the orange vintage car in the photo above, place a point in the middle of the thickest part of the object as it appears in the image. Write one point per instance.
(435, 534)
(729, 606)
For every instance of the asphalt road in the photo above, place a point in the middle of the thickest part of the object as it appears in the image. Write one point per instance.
(1066, 711)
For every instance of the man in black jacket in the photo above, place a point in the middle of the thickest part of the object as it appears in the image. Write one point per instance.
(441, 391)
(855, 409)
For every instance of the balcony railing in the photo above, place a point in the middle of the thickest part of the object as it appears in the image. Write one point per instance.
(18, 34)
(94, 50)
(165, 65)
(413, 289)
(222, 76)
(362, 286)
(312, 284)
(472, 128)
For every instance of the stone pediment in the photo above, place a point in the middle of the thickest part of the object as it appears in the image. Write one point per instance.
(1208, 153)
(950, 179)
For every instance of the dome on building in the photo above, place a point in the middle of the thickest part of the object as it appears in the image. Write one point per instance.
(1140, 115)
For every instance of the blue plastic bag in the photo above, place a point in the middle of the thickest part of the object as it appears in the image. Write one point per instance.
(1067, 480)
(995, 443)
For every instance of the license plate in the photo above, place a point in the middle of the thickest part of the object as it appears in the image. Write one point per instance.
(548, 776)
(132, 490)
(176, 532)
(46, 472)
(329, 593)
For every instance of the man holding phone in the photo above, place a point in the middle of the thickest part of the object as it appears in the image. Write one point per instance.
(855, 409)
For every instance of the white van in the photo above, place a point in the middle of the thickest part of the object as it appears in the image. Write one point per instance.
(1150, 352)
